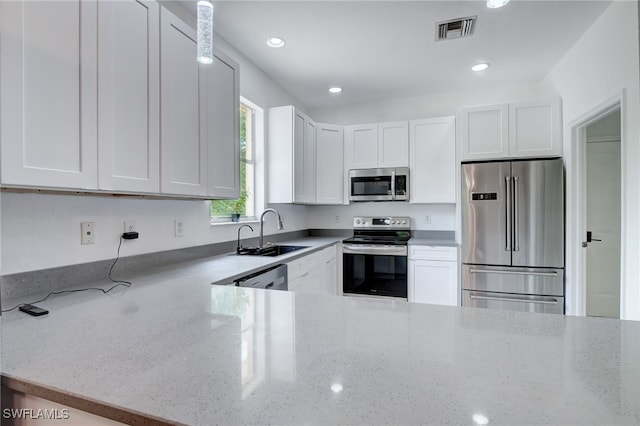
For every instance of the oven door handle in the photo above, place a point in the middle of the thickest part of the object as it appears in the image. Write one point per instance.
(380, 250)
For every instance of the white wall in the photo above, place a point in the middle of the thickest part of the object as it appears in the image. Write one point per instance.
(600, 65)
(427, 106)
(41, 231)
(442, 216)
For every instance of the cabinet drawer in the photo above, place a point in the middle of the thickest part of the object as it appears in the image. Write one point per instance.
(329, 253)
(433, 253)
(300, 266)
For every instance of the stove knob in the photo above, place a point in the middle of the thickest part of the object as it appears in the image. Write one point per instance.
(393, 222)
(404, 222)
(357, 221)
(386, 221)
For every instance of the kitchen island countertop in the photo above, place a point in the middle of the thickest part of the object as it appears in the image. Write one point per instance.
(177, 349)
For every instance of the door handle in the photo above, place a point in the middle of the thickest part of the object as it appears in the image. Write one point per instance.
(590, 237)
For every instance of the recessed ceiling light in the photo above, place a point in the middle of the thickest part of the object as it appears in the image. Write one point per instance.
(335, 90)
(494, 4)
(480, 67)
(275, 42)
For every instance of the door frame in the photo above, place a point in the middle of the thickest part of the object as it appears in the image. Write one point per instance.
(576, 205)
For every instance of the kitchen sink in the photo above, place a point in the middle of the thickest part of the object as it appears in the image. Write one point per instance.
(270, 251)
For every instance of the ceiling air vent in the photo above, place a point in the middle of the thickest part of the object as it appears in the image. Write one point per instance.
(455, 28)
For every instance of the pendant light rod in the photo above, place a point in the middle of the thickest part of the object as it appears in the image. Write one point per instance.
(204, 11)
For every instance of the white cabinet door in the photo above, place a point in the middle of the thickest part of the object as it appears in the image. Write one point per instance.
(128, 102)
(393, 144)
(299, 131)
(433, 282)
(309, 164)
(183, 147)
(535, 129)
(291, 156)
(329, 164)
(484, 132)
(295, 285)
(433, 160)
(223, 127)
(48, 82)
(361, 146)
(330, 271)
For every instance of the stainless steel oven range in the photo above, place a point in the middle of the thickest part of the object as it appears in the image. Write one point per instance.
(375, 258)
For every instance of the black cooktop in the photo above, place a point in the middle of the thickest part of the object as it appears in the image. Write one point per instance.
(388, 237)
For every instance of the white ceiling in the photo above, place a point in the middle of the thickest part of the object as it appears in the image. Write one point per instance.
(385, 49)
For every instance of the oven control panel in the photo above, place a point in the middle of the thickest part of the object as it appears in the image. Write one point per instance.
(384, 222)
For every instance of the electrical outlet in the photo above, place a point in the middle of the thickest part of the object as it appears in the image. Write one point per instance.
(337, 218)
(427, 219)
(88, 232)
(130, 226)
(178, 228)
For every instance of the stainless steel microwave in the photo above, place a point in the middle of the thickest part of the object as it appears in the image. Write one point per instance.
(379, 184)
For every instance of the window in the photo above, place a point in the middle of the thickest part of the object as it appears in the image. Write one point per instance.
(225, 210)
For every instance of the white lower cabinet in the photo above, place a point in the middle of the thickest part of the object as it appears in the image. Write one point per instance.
(315, 273)
(433, 275)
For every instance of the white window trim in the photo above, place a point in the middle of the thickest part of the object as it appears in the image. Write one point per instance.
(259, 169)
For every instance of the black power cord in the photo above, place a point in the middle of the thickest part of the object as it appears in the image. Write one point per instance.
(118, 284)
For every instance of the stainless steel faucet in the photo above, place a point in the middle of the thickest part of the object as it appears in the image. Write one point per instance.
(239, 247)
(280, 226)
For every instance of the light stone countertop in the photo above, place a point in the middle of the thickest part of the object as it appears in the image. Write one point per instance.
(177, 349)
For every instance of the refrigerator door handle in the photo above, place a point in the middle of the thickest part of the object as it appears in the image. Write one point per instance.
(516, 215)
(507, 245)
(501, 272)
(550, 301)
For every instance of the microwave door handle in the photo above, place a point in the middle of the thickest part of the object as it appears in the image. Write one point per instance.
(393, 185)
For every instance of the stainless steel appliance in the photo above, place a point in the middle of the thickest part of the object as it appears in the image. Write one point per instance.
(513, 235)
(274, 278)
(379, 184)
(375, 257)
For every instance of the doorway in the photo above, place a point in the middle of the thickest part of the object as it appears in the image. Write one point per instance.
(602, 190)
(594, 165)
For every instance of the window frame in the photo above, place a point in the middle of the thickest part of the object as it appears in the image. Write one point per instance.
(257, 153)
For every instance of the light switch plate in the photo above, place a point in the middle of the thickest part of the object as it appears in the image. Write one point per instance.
(178, 228)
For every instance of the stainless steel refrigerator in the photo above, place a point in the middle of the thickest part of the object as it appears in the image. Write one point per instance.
(513, 235)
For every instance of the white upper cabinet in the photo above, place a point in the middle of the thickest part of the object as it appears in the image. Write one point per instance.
(484, 132)
(129, 101)
(183, 144)
(393, 144)
(432, 146)
(329, 164)
(377, 145)
(291, 156)
(535, 129)
(223, 127)
(517, 130)
(361, 146)
(48, 82)
(309, 163)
